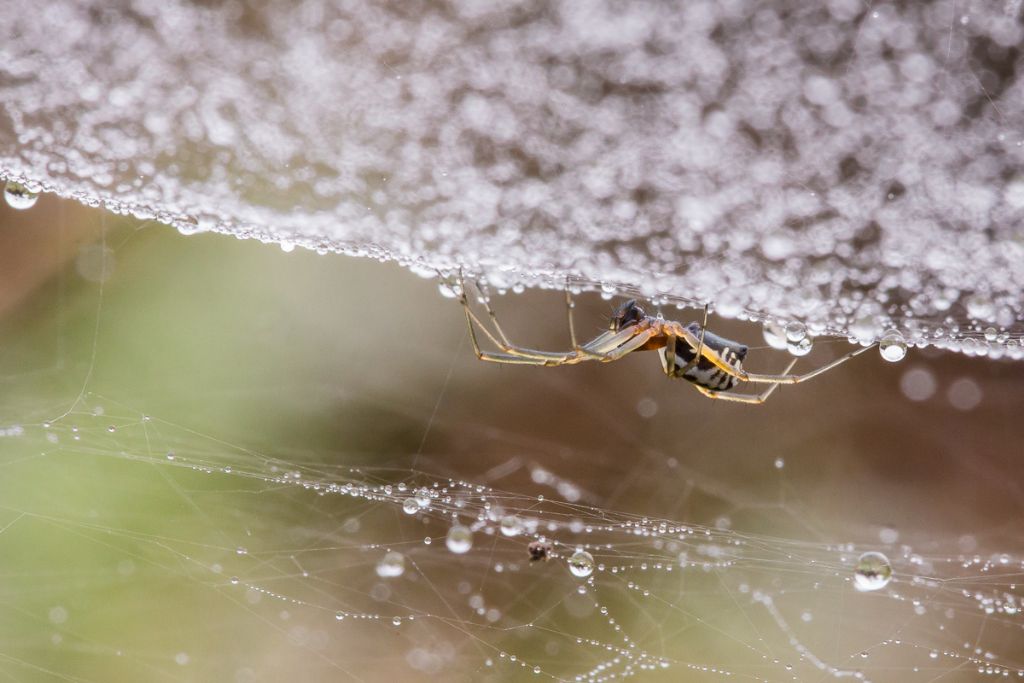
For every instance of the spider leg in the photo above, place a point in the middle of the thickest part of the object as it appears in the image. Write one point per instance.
(638, 338)
(512, 354)
(738, 398)
(607, 345)
(509, 353)
(699, 350)
(703, 327)
(756, 399)
(570, 307)
(486, 300)
(670, 355)
(786, 378)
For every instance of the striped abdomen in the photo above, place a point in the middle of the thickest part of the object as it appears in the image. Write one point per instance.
(704, 372)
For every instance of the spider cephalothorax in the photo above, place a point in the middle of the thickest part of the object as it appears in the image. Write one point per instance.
(625, 315)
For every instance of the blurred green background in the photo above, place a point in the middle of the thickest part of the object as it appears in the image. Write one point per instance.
(156, 386)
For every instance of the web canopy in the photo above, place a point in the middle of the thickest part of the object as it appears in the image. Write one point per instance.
(855, 167)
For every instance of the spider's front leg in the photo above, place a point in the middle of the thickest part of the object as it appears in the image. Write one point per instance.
(509, 352)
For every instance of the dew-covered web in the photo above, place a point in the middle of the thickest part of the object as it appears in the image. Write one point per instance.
(239, 564)
(852, 165)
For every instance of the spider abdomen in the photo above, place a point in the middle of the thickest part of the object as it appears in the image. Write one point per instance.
(705, 373)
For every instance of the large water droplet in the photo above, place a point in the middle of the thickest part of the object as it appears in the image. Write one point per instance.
(795, 331)
(801, 347)
(979, 307)
(892, 346)
(774, 335)
(410, 506)
(391, 565)
(864, 328)
(19, 197)
(581, 564)
(459, 539)
(873, 572)
(510, 525)
(449, 290)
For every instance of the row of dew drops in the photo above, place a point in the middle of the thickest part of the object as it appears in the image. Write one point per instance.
(872, 572)
(798, 338)
(793, 337)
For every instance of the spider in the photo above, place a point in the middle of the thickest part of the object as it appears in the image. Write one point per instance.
(713, 364)
(538, 550)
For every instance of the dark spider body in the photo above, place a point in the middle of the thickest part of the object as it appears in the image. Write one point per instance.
(704, 372)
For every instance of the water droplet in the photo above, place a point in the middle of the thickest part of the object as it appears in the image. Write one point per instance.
(800, 348)
(775, 335)
(391, 565)
(728, 305)
(510, 525)
(423, 498)
(873, 572)
(991, 334)
(865, 329)
(397, 621)
(459, 539)
(19, 197)
(892, 346)
(410, 506)
(234, 580)
(449, 290)
(979, 307)
(339, 616)
(581, 564)
(795, 332)
(779, 463)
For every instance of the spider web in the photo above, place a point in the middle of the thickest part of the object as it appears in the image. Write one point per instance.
(222, 506)
(852, 165)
